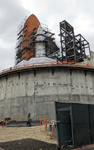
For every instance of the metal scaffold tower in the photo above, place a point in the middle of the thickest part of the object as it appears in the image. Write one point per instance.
(34, 40)
(81, 46)
(51, 49)
(20, 41)
(72, 47)
(26, 43)
(67, 41)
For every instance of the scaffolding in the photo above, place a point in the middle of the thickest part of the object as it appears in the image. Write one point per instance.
(51, 49)
(29, 42)
(72, 47)
(18, 48)
(26, 43)
(81, 46)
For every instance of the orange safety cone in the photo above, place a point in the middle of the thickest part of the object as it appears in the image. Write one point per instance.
(46, 126)
(40, 121)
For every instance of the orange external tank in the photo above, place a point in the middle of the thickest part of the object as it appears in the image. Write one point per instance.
(30, 28)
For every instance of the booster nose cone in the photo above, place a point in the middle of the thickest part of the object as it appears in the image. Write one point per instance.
(31, 24)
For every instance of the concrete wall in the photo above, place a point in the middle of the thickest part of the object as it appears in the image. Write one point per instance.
(35, 92)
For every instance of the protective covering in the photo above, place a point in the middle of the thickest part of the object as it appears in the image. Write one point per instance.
(75, 124)
(36, 60)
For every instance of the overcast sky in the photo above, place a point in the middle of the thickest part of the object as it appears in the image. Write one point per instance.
(79, 13)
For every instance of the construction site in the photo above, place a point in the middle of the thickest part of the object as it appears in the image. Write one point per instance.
(44, 73)
(51, 82)
(35, 40)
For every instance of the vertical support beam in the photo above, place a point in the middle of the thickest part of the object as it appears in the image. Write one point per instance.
(67, 41)
(61, 42)
(74, 45)
(89, 51)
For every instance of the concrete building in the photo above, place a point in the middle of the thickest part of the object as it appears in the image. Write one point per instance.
(34, 89)
(38, 80)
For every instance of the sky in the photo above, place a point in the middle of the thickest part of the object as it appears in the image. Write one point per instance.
(79, 13)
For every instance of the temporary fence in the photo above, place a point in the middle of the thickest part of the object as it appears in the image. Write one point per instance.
(42, 119)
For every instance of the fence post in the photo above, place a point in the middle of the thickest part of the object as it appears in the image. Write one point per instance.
(44, 120)
(40, 121)
(46, 126)
(52, 129)
(3, 123)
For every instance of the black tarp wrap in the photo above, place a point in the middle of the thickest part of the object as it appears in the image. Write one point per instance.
(75, 124)
(23, 123)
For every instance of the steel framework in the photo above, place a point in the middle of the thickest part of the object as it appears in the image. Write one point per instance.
(72, 47)
(81, 46)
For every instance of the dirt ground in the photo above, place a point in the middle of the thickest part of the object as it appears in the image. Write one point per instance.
(26, 138)
(27, 144)
(29, 138)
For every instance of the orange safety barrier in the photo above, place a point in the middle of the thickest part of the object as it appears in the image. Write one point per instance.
(47, 63)
(44, 120)
(40, 121)
(3, 124)
(46, 126)
(52, 130)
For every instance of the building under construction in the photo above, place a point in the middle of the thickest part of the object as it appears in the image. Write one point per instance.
(72, 47)
(45, 74)
(35, 41)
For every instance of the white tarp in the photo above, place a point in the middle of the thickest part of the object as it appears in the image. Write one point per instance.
(40, 47)
(35, 60)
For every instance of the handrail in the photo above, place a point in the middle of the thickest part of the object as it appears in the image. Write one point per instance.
(45, 63)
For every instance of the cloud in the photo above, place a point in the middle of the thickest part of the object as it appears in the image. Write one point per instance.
(11, 15)
(79, 13)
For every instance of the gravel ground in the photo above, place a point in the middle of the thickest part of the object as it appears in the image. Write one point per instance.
(17, 133)
(26, 138)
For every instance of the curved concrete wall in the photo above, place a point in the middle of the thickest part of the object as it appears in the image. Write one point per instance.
(36, 91)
